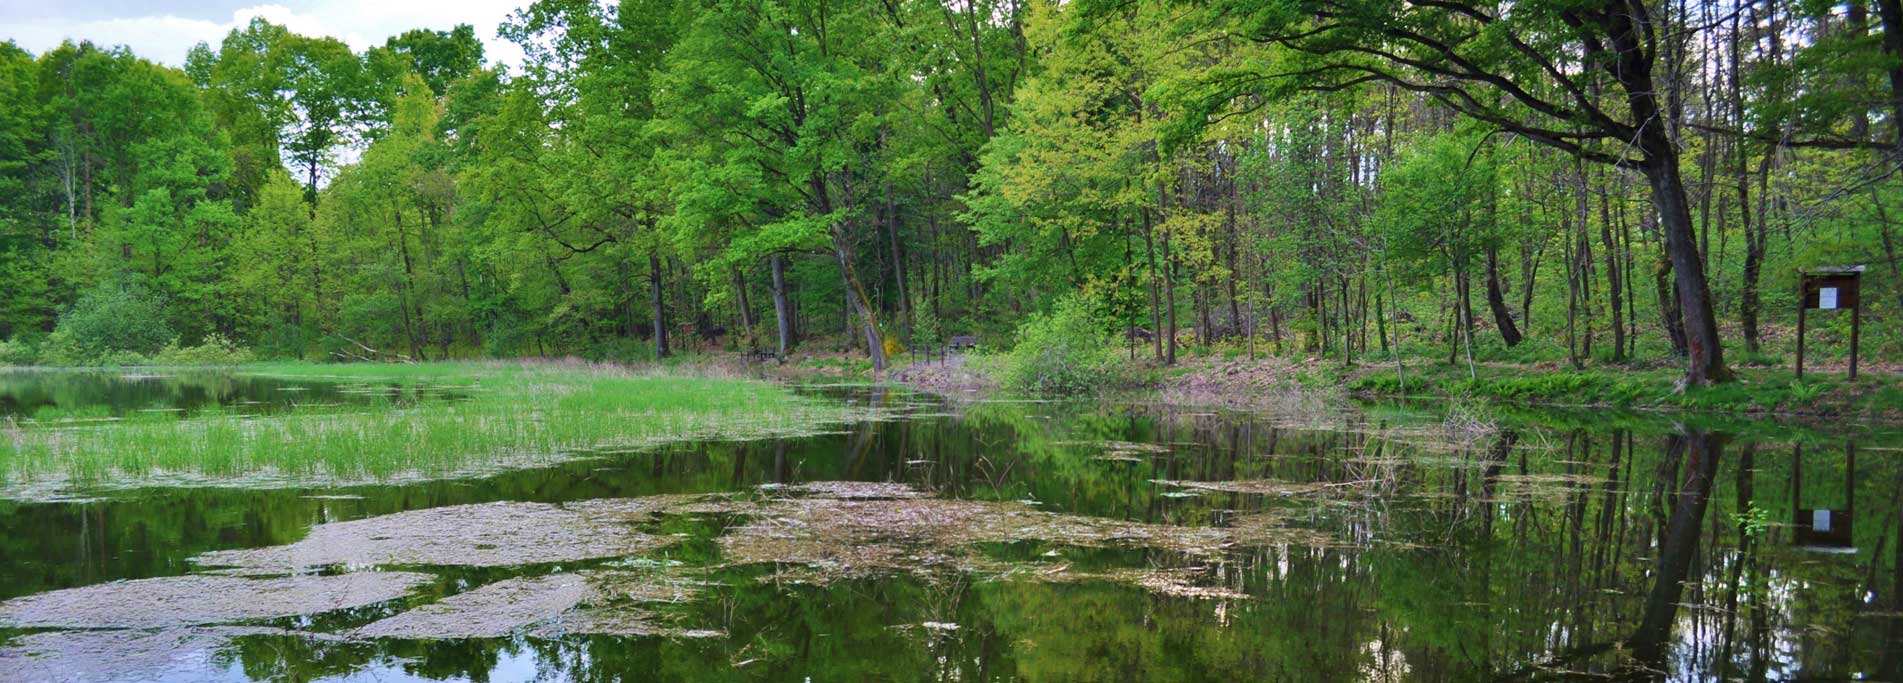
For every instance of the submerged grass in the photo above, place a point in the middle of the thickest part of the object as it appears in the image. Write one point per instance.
(501, 416)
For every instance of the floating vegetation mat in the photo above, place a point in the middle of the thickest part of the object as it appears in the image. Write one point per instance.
(485, 535)
(821, 539)
(811, 533)
(594, 603)
(203, 599)
(171, 654)
(1263, 487)
(848, 490)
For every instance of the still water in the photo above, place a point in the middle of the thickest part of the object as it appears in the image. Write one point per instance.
(1000, 541)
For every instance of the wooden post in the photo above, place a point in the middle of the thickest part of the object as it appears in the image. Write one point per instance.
(1803, 305)
(1856, 325)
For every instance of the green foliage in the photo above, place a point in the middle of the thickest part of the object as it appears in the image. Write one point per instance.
(17, 352)
(215, 349)
(649, 159)
(1754, 520)
(1805, 392)
(1066, 351)
(926, 335)
(112, 325)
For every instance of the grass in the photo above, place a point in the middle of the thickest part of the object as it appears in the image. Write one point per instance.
(508, 415)
(1757, 390)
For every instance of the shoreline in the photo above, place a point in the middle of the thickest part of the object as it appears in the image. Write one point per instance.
(1825, 397)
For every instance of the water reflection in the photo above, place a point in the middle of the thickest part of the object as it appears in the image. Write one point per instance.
(1513, 550)
(80, 395)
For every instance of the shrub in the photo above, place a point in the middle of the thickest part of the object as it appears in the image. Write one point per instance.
(16, 352)
(111, 324)
(215, 349)
(926, 336)
(1066, 352)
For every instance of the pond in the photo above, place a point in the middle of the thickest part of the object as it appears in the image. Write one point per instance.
(998, 540)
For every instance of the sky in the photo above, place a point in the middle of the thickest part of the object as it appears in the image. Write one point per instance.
(164, 30)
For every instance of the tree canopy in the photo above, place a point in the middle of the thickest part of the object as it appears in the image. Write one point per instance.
(1622, 180)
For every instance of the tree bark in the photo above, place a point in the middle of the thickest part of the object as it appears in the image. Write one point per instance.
(898, 259)
(656, 303)
(1156, 303)
(1169, 300)
(746, 310)
(1890, 13)
(1496, 301)
(782, 313)
(1705, 362)
(855, 294)
(1613, 289)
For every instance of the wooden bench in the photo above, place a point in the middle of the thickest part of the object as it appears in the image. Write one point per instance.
(962, 343)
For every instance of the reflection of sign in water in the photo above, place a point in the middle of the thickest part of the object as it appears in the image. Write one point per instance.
(1828, 529)
(1830, 288)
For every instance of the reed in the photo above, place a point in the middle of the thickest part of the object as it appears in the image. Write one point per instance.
(502, 416)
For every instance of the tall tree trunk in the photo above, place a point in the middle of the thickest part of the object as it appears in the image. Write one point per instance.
(898, 260)
(856, 295)
(1890, 255)
(1572, 290)
(1496, 301)
(1465, 314)
(1669, 315)
(1169, 301)
(782, 313)
(1755, 237)
(855, 292)
(1705, 361)
(1890, 13)
(1615, 292)
(746, 310)
(1156, 303)
(412, 328)
(657, 304)
(1235, 245)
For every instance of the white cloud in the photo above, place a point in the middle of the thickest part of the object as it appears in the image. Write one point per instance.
(166, 38)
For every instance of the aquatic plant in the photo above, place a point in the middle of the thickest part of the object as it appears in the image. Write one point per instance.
(500, 416)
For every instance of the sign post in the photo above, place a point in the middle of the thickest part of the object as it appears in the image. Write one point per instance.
(1827, 289)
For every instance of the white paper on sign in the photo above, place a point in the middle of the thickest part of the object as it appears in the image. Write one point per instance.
(1820, 520)
(1827, 297)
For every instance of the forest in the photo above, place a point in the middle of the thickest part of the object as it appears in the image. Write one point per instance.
(1615, 183)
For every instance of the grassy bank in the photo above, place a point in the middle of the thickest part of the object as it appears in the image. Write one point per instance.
(1233, 380)
(490, 416)
(1754, 391)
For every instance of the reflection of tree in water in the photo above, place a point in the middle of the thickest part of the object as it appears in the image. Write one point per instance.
(1678, 547)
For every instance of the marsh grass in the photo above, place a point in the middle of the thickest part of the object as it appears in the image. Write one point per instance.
(505, 416)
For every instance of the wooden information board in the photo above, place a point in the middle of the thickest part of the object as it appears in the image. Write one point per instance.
(1830, 288)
